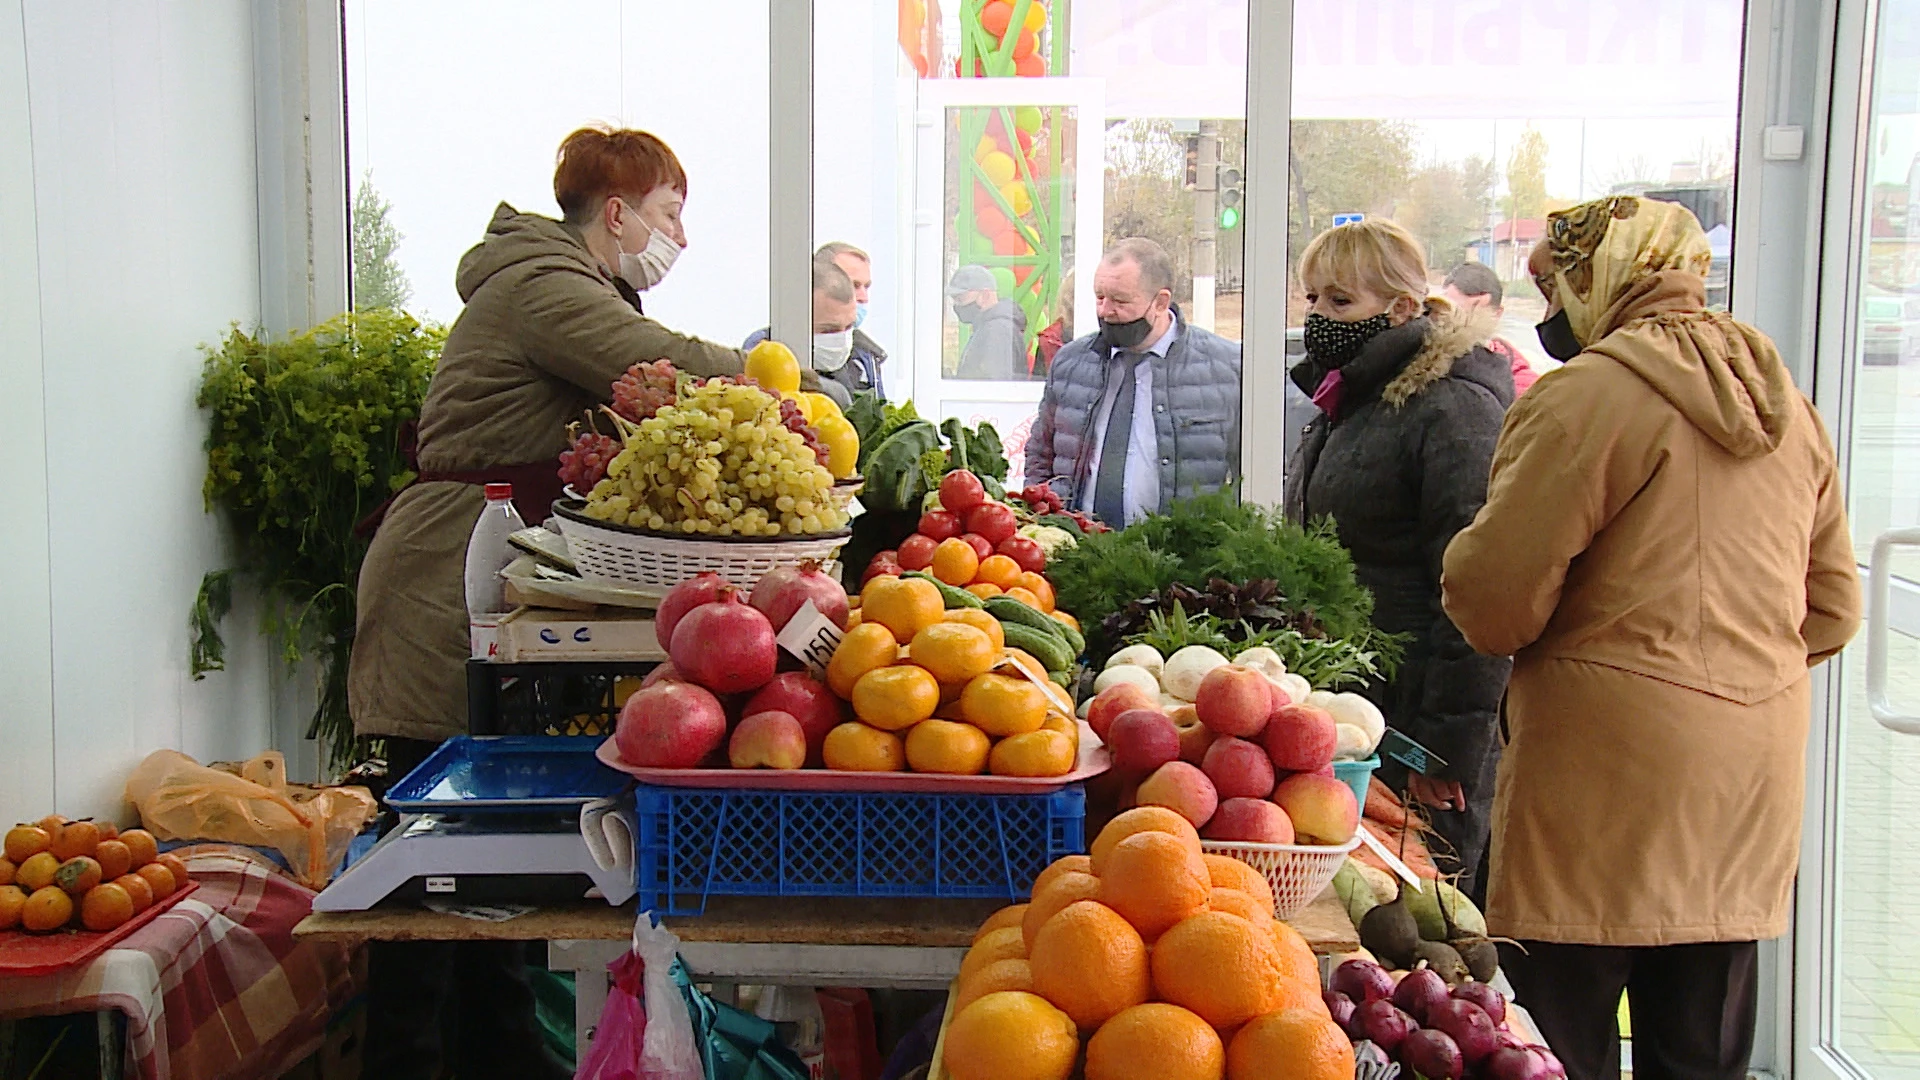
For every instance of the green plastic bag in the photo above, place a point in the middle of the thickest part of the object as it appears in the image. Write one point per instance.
(735, 1045)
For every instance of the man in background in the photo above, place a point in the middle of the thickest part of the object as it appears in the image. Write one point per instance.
(996, 348)
(1472, 286)
(868, 356)
(834, 311)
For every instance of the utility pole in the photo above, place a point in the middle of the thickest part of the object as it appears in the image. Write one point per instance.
(1206, 225)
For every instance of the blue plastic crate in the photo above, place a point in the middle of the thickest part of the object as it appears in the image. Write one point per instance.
(698, 842)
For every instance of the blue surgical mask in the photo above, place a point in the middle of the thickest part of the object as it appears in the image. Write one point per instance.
(859, 315)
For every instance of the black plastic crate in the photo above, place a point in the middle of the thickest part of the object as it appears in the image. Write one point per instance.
(559, 698)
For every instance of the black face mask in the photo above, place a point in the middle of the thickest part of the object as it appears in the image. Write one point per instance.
(1127, 335)
(967, 313)
(1335, 343)
(1556, 336)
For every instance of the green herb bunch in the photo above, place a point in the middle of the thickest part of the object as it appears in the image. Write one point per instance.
(303, 443)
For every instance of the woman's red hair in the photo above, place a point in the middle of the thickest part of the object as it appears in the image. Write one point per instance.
(597, 162)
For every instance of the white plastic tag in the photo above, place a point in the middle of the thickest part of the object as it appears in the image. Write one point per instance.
(811, 638)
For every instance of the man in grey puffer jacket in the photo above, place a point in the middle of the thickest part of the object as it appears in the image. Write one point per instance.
(1165, 394)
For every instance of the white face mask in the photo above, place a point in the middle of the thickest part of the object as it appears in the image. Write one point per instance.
(644, 270)
(830, 351)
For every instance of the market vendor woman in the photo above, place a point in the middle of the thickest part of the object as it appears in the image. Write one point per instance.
(552, 318)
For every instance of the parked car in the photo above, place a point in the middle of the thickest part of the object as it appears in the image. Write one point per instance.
(1889, 327)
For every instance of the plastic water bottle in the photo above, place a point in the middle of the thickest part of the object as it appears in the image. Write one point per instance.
(488, 553)
(798, 1022)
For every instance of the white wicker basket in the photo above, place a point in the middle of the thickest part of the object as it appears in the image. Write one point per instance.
(1296, 872)
(620, 555)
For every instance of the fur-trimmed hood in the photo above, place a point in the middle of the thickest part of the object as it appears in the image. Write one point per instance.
(1449, 338)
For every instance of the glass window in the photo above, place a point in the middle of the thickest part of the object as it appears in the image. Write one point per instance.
(439, 134)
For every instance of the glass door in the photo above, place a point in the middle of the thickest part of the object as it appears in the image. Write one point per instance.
(1857, 976)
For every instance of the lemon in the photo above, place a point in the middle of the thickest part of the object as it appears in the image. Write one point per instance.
(773, 366)
(822, 405)
(842, 441)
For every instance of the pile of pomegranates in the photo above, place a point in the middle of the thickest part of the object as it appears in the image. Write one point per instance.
(1460, 1034)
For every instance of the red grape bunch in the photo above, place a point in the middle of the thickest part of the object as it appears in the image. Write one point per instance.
(791, 417)
(642, 391)
(584, 464)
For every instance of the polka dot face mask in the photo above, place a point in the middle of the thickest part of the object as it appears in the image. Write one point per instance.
(1333, 343)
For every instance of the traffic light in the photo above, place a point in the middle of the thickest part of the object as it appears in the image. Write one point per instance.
(1233, 192)
(1193, 162)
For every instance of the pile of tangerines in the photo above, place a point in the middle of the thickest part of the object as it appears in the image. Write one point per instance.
(1146, 958)
(84, 874)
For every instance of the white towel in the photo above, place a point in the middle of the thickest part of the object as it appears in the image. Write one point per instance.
(608, 826)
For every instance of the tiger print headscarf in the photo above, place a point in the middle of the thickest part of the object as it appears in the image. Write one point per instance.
(1601, 249)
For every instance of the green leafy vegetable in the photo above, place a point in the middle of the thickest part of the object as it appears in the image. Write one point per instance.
(895, 480)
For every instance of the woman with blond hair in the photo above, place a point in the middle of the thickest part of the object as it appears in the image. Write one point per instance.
(1410, 404)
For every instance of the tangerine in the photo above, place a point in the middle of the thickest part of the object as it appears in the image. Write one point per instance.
(1059, 866)
(954, 652)
(1040, 587)
(995, 977)
(902, 605)
(1156, 880)
(1006, 916)
(75, 838)
(1063, 724)
(141, 844)
(1000, 571)
(946, 746)
(896, 698)
(1299, 1044)
(855, 747)
(1005, 943)
(108, 830)
(46, 910)
(137, 889)
(982, 622)
(1024, 595)
(985, 590)
(13, 901)
(1065, 618)
(1034, 754)
(1222, 967)
(1156, 1041)
(105, 907)
(7, 871)
(1090, 963)
(1003, 705)
(1011, 1035)
(77, 875)
(159, 879)
(1138, 820)
(1227, 872)
(1235, 902)
(25, 841)
(179, 867)
(863, 649)
(1055, 693)
(1054, 897)
(954, 562)
(37, 871)
(115, 858)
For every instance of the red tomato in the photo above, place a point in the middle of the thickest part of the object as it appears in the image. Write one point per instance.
(885, 564)
(981, 545)
(916, 552)
(960, 491)
(995, 521)
(1028, 553)
(940, 524)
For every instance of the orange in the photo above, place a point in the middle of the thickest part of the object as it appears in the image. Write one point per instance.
(141, 844)
(1090, 964)
(1297, 960)
(1064, 725)
(1058, 695)
(945, 746)
(13, 901)
(1000, 571)
(159, 879)
(1298, 1044)
(1227, 872)
(78, 874)
(1235, 902)
(37, 871)
(45, 910)
(955, 562)
(855, 747)
(1156, 1042)
(995, 977)
(1222, 967)
(138, 890)
(1040, 587)
(1060, 866)
(985, 590)
(176, 864)
(1011, 1035)
(7, 871)
(982, 622)
(1138, 820)
(954, 652)
(1037, 753)
(108, 830)
(902, 605)
(1155, 880)
(1054, 897)
(25, 841)
(1065, 618)
(1025, 596)
(105, 907)
(1002, 705)
(1006, 916)
(1006, 943)
(864, 648)
(853, 619)
(115, 858)
(75, 838)
(896, 698)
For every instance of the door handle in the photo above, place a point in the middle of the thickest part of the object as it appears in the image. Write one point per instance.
(1879, 625)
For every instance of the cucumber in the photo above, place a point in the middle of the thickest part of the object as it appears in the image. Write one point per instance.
(1061, 679)
(1013, 611)
(950, 597)
(1042, 646)
(1075, 641)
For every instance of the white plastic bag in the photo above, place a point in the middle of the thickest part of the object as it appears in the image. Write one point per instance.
(669, 1051)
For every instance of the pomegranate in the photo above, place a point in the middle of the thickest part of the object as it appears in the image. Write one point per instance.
(804, 698)
(682, 598)
(665, 672)
(725, 646)
(782, 591)
(670, 725)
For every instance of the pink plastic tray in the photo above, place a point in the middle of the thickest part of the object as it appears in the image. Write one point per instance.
(22, 953)
(1094, 760)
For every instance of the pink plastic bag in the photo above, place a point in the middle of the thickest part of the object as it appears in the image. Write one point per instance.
(615, 1051)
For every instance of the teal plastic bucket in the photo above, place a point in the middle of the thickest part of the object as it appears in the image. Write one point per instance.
(1356, 774)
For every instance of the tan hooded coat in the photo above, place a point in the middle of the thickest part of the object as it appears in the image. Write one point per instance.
(1664, 551)
(542, 338)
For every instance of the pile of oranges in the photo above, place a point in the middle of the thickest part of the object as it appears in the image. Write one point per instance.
(939, 691)
(84, 874)
(1146, 958)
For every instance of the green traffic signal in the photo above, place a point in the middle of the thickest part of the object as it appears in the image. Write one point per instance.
(1230, 217)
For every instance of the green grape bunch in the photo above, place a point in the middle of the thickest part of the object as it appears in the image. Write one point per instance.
(717, 462)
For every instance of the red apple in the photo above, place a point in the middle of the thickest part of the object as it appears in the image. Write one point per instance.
(1322, 809)
(1300, 738)
(1142, 740)
(1254, 821)
(1239, 769)
(1235, 700)
(1114, 700)
(1195, 737)
(770, 740)
(1182, 789)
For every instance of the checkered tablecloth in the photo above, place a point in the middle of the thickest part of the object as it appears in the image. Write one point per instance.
(215, 987)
